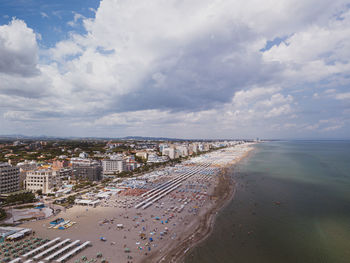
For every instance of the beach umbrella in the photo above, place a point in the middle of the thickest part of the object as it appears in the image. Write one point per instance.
(99, 255)
(77, 261)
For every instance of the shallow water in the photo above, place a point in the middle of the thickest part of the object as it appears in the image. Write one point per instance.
(292, 205)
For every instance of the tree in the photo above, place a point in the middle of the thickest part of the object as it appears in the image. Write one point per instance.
(25, 197)
(71, 199)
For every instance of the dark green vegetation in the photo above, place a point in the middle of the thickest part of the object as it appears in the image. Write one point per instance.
(35, 150)
(20, 198)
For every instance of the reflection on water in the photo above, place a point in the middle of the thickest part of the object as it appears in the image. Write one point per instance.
(292, 205)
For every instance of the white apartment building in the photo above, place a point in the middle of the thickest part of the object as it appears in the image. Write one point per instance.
(112, 166)
(81, 161)
(9, 178)
(154, 158)
(45, 180)
(170, 151)
(182, 150)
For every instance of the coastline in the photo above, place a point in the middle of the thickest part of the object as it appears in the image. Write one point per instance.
(184, 230)
(224, 192)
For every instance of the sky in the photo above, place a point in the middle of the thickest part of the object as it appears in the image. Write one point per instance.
(186, 69)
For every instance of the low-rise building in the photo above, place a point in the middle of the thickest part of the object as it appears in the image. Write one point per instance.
(24, 167)
(142, 154)
(42, 179)
(59, 164)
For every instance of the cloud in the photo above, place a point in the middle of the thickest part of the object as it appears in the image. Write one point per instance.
(44, 15)
(77, 17)
(343, 96)
(198, 64)
(18, 49)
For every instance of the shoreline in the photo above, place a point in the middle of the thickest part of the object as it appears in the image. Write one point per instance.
(206, 224)
(142, 234)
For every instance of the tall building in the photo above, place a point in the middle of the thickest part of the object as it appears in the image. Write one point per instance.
(113, 166)
(92, 172)
(170, 151)
(9, 178)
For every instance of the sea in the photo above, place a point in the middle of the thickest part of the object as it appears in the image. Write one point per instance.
(292, 205)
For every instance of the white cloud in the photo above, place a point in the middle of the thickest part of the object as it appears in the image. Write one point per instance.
(76, 18)
(316, 52)
(44, 15)
(198, 63)
(343, 96)
(18, 49)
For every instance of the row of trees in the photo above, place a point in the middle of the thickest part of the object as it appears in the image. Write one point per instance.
(20, 198)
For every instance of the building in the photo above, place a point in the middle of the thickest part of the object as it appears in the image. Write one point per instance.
(42, 179)
(9, 178)
(83, 155)
(24, 167)
(81, 161)
(130, 163)
(154, 158)
(113, 166)
(64, 174)
(142, 155)
(170, 152)
(92, 172)
(59, 164)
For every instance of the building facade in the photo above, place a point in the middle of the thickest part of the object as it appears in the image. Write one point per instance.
(9, 178)
(113, 166)
(92, 172)
(44, 179)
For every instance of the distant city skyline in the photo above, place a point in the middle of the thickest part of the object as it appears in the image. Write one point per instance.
(180, 69)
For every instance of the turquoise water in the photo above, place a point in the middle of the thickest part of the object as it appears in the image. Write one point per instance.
(292, 205)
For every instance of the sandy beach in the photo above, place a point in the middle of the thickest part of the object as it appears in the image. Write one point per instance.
(162, 232)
